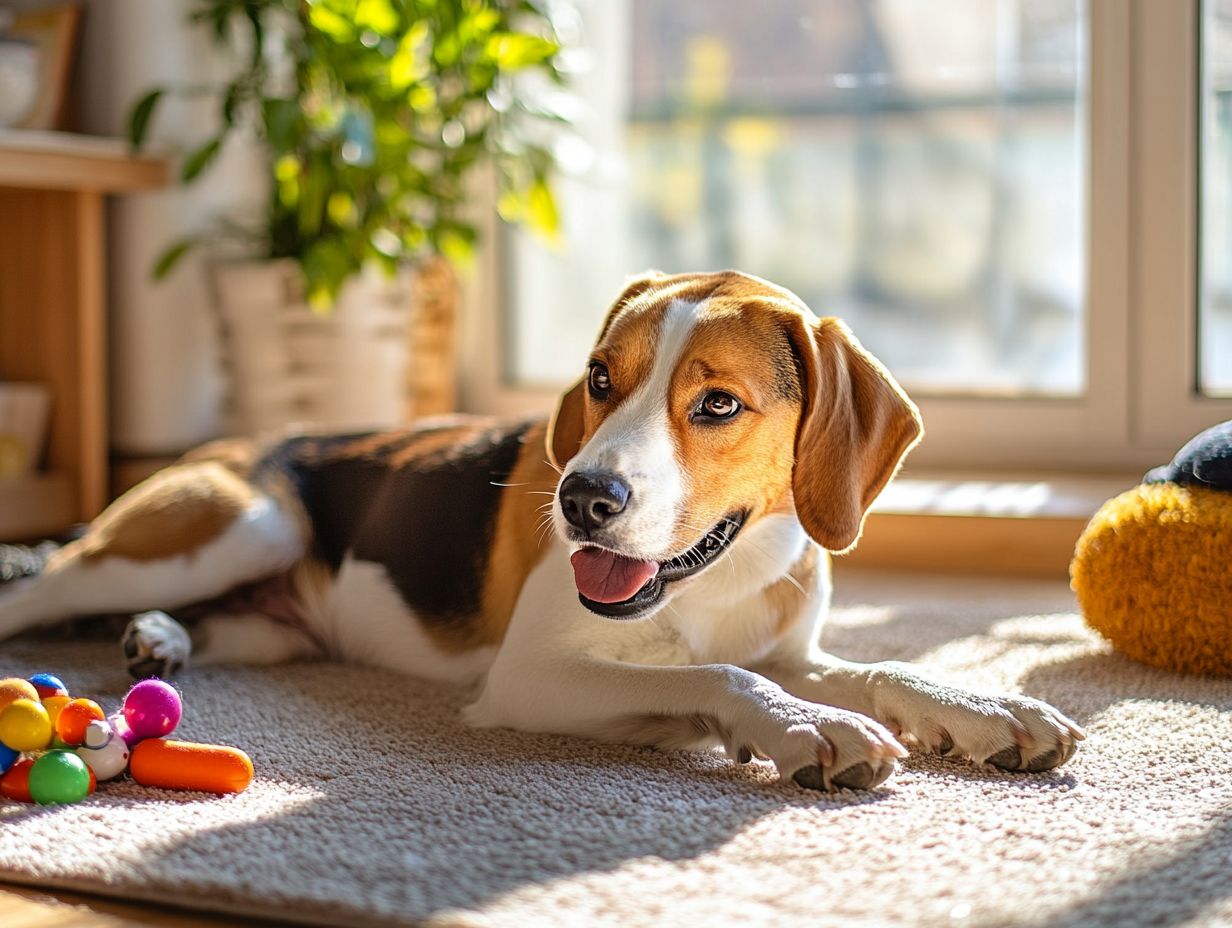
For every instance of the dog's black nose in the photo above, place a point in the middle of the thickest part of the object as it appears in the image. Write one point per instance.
(589, 501)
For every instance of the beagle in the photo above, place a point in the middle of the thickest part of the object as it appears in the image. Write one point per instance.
(649, 566)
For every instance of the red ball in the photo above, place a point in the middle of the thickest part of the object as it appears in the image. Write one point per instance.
(15, 784)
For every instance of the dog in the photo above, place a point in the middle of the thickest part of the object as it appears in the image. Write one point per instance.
(650, 565)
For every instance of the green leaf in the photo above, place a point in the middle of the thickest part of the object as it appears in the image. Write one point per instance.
(338, 28)
(171, 257)
(377, 15)
(407, 64)
(200, 159)
(541, 213)
(281, 118)
(139, 120)
(230, 101)
(515, 50)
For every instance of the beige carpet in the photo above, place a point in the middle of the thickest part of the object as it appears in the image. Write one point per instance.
(374, 806)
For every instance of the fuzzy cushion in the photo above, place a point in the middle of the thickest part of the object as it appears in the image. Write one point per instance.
(1152, 574)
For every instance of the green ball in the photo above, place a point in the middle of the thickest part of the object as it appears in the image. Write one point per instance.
(59, 777)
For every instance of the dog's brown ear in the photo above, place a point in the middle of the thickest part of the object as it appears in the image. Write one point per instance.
(567, 425)
(856, 426)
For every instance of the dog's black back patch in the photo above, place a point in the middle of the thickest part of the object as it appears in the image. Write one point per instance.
(422, 503)
(431, 524)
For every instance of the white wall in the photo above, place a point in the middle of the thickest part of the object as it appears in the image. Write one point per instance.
(166, 384)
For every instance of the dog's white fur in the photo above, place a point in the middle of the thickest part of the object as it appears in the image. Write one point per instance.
(706, 668)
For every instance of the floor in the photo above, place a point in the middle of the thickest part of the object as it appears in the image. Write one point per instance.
(35, 908)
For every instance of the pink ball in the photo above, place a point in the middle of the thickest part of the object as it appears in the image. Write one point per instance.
(152, 709)
(121, 728)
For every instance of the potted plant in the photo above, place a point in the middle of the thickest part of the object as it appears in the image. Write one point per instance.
(373, 115)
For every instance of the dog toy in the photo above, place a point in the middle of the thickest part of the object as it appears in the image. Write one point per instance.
(16, 783)
(47, 685)
(59, 777)
(1151, 569)
(16, 688)
(75, 744)
(72, 720)
(8, 757)
(182, 765)
(152, 709)
(25, 726)
(104, 750)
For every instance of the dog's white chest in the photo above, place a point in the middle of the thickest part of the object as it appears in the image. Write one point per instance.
(368, 622)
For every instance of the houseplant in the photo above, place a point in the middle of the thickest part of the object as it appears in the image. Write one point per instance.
(373, 114)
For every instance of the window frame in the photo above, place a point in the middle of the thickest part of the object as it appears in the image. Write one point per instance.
(1142, 166)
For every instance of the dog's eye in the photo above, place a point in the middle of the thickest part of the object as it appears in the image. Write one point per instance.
(718, 405)
(600, 380)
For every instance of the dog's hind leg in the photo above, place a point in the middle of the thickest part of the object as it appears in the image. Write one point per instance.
(188, 534)
(157, 645)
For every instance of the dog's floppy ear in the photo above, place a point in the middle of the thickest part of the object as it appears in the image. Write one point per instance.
(856, 425)
(567, 425)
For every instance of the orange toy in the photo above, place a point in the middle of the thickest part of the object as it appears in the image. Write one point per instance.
(210, 768)
(16, 783)
(72, 720)
(15, 688)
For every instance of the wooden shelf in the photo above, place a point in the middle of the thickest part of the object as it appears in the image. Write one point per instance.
(66, 161)
(35, 506)
(53, 326)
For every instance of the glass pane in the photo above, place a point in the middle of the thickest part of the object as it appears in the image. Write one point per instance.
(1215, 335)
(913, 166)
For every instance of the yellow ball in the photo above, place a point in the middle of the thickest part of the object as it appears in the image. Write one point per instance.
(16, 688)
(53, 705)
(1151, 575)
(25, 726)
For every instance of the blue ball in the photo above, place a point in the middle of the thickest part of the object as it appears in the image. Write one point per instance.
(48, 684)
(8, 757)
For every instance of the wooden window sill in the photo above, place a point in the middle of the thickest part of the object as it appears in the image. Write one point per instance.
(1016, 524)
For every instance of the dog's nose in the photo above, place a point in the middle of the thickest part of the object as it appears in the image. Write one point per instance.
(589, 501)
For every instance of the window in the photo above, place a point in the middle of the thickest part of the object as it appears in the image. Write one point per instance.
(979, 188)
(1216, 257)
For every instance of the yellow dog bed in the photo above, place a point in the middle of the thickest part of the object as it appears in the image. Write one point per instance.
(1153, 569)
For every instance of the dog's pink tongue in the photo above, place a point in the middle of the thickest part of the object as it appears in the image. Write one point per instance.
(606, 577)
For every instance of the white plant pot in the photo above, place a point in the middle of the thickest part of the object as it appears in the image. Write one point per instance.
(288, 365)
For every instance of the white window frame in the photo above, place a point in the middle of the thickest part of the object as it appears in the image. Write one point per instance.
(1141, 401)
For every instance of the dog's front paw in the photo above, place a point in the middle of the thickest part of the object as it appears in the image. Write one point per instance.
(155, 645)
(1011, 732)
(828, 749)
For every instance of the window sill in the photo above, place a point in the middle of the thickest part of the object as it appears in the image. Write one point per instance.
(1014, 524)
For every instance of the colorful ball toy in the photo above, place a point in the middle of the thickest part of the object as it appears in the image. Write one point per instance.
(152, 709)
(15, 784)
(16, 688)
(73, 719)
(47, 685)
(59, 777)
(25, 726)
(76, 744)
(8, 757)
(53, 705)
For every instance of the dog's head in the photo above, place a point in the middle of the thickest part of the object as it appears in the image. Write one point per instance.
(711, 401)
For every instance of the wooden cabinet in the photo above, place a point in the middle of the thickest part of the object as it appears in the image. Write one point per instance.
(53, 311)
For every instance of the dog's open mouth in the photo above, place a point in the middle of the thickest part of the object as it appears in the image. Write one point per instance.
(620, 587)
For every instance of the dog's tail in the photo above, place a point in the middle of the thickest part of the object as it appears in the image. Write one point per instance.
(18, 561)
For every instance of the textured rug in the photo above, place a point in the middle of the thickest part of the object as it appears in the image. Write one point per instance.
(373, 805)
